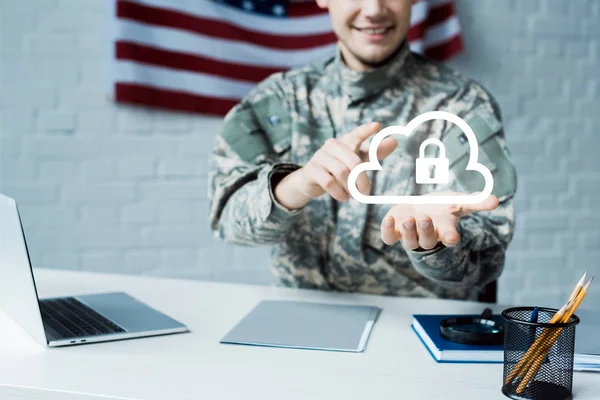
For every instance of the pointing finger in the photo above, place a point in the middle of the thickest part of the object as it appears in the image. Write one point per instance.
(386, 147)
(355, 138)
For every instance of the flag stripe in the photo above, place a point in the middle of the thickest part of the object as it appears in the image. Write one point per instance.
(305, 8)
(439, 14)
(173, 100)
(184, 61)
(445, 50)
(216, 48)
(181, 81)
(438, 34)
(224, 30)
(319, 23)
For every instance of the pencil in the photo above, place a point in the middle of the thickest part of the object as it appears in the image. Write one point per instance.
(547, 346)
(538, 345)
(526, 359)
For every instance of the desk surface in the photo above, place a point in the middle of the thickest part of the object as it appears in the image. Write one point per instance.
(194, 365)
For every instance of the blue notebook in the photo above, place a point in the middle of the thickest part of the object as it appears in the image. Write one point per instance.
(427, 328)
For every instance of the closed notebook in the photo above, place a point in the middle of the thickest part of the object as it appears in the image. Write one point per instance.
(304, 325)
(427, 328)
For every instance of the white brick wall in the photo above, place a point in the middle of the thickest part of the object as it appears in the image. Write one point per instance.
(124, 190)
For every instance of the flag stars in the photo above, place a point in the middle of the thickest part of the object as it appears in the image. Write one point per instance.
(248, 5)
(278, 9)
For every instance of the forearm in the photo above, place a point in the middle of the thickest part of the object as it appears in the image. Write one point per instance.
(287, 193)
(245, 211)
(478, 258)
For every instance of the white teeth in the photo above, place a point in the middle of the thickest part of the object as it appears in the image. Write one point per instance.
(375, 31)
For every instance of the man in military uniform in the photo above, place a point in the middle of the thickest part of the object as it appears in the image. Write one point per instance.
(281, 161)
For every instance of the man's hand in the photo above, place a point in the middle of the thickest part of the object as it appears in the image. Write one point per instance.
(327, 171)
(425, 225)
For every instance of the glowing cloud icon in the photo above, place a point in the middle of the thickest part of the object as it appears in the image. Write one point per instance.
(374, 165)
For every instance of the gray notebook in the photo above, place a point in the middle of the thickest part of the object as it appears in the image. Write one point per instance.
(304, 325)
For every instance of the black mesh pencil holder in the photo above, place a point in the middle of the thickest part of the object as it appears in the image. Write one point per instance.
(538, 356)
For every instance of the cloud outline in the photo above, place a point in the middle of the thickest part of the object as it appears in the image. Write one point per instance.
(371, 165)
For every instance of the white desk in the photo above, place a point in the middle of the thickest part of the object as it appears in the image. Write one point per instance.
(195, 366)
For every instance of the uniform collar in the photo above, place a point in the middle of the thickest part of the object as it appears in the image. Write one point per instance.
(358, 85)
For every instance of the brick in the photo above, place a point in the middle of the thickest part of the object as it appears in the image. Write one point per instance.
(255, 276)
(587, 108)
(38, 239)
(90, 72)
(542, 107)
(30, 6)
(588, 239)
(583, 260)
(556, 8)
(557, 26)
(141, 260)
(92, 121)
(49, 44)
(56, 121)
(96, 6)
(534, 185)
(544, 221)
(70, 261)
(18, 171)
(189, 190)
(176, 258)
(58, 171)
(28, 96)
(174, 211)
(137, 168)
(585, 222)
(59, 146)
(103, 261)
(9, 148)
(32, 193)
(99, 214)
(130, 119)
(138, 213)
(50, 217)
(182, 167)
(99, 171)
(77, 97)
(541, 242)
(523, 46)
(100, 193)
(16, 121)
(173, 122)
(578, 49)
(171, 236)
(591, 29)
(71, 20)
(550, 47)
(136, 146)
(100, 237)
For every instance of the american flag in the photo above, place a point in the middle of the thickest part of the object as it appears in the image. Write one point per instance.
(203, 56)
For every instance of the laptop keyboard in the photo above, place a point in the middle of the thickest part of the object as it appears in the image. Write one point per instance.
(70, 318)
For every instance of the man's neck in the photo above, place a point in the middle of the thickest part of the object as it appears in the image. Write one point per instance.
(356, 64)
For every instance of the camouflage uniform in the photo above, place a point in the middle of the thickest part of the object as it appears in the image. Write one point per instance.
(328, 245)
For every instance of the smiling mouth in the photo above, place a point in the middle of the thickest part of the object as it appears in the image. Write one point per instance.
(377, 31)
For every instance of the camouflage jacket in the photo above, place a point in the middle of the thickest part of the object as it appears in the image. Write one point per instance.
(280, 124)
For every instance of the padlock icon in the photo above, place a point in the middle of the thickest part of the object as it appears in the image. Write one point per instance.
(432, 170)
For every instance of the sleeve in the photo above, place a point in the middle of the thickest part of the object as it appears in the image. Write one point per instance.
(244, 168)
(485, 236)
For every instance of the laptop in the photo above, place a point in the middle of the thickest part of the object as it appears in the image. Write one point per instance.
(71, 320)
